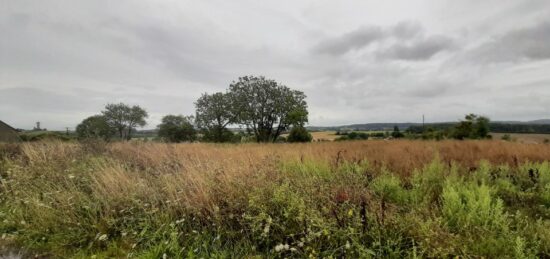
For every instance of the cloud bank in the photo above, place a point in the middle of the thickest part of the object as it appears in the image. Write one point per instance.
(357, 61)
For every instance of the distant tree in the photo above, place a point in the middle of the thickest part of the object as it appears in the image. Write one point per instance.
(213, 114)
(125, 118)
(266, 107)
(177, 128)
(95, 127)
(473, 127)
(396, 133)
(359, 135)
(299, 134)
(481, 127)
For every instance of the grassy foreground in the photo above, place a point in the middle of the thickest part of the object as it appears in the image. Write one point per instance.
(350, 199)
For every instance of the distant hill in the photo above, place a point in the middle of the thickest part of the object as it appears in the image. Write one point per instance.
(366, 126)
(534, 126)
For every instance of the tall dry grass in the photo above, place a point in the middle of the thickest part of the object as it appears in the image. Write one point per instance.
(398, 156)
(76, 196)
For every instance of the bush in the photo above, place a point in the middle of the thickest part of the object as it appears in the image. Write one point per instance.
(299, 134)
(469, 206)
(46, 135)
(506, 137)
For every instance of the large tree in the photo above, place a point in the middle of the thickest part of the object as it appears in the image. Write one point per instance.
(125, 118)
(177, 128)
(266, 107)
(95, 127)
(213, 114)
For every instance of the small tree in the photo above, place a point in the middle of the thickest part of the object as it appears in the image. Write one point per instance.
(177, 128)
(95, 127)
(213, 114)
(299, 134)
(124, 118)
(473, 127)
(396, 133)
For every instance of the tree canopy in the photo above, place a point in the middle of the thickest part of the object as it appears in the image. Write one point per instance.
(266, 107)
(177, 128)
(124, 118)
(95, 127)
(214, 113)
(472, 127)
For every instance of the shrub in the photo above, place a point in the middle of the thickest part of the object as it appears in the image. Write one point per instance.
(467, 205)
(299, 134)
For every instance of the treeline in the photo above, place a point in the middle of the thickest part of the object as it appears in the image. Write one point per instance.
(472, 127)
(496, 127)
(263, 108)
(395, 134)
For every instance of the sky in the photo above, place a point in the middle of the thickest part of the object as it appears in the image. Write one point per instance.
(357, 61)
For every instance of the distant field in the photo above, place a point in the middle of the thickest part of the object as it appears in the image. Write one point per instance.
(324, 135)
(524, 137)
(331, 135)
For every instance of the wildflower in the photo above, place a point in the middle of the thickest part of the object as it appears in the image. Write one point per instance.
(348, 245)
(286, 246)
(279, 247)
(300, 244)
(164, 256)
(102, 237)
(266, 229)
(71, 176)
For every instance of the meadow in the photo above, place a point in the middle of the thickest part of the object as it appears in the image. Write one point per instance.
(353, 199)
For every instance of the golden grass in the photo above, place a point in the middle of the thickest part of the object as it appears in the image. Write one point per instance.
(524, 137)
(397, 155)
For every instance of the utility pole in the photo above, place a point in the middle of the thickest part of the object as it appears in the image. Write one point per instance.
(423, 125)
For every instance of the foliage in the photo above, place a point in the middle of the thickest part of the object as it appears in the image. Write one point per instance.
(266, 107)
(506, 137)
(214, 113)
(396, 133)
(95, 127)
(124, 118)
(354, 136)
(177, 128)
(43, 135)
(299, 134)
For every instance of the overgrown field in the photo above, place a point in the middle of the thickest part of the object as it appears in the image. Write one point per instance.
(343, 199)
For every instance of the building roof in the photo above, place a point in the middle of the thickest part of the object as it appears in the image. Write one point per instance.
(8, 133)
(7, 125)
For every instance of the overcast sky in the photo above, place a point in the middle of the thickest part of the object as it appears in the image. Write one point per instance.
(357, 61)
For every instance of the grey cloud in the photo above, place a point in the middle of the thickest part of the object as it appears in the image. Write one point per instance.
(530, 43)
(366, 35)
(407, 29)
(412, 44)
(356, 39)
(419, 50)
